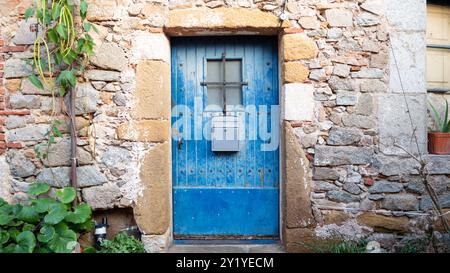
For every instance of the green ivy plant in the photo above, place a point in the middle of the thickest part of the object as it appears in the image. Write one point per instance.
(61, 50)
(122, 243)
(44, 225)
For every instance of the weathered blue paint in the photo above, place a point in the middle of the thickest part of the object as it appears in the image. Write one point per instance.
(225, 193)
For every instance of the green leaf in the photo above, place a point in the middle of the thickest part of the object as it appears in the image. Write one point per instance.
(2, 202)
(46, 233)
(38, 188)
(69, 57)
(66, 195)
(61, 91)
(6, 215)
(42, 250)
(13, 233)
(26, 241)
(81, 214)
(64, 241)
(62, 31)
(83, 9)
(445, 127)
(36, 82)
(87, 26)
(89, 249)
(29, 227)
(57, 132)
(28, 13)
(28, 214)
(4, 237)
(52, 36)
(86, 226)
(56, 214)
(43, 204)
(56, 11)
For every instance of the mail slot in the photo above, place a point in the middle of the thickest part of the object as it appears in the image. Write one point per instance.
(225, 134)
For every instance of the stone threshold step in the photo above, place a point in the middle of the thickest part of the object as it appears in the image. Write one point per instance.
(223, 248)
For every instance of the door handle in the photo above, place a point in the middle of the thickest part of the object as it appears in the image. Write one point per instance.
(180, 143)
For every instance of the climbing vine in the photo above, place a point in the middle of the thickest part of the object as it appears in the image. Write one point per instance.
(60, 54)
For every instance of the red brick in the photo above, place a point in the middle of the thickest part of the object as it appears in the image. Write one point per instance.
(2, 129)
(2, 136)
(2, 42)
(292, 30)
(2, 151)
(14, 112)
(1, 66)
(2, 145)
(2, 91)
(2, 105)
(2, 121)
(368, 181)
(18, 48)
(14, 145)
(1, 74)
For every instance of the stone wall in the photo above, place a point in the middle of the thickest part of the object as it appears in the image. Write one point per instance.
(342, 103)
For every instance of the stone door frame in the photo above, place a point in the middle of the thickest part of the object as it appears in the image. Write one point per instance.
(153, 210)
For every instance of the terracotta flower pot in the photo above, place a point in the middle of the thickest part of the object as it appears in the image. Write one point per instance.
(439, 143)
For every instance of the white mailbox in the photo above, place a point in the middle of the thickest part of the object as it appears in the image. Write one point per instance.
(225, 134)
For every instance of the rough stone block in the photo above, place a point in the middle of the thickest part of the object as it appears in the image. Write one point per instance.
(407, 15)
(18, 101)
(239, 19)
(346, 98)
(344, 136)
(321, 186)
(406, 202)
(395, 125)
(102, 75)
(298, 101)
(17, 68)
(298, 46)
(102, 197)
(153, 208)
(88, 176)
(24, 35)
(59, 155)
(386, 187)
(295, 72)
(410, 54)
(298, 183)
(103, 10)
(150, 46)
(342, 196)
(145, 130)
(339, 17)
(359, 121)
(20, 165)
(381, 223)
(438, 164)
(426, 204)
(109, 56)
(152, 90)
(334, 156)
(32, 132)
(390, 166)
(325, 174)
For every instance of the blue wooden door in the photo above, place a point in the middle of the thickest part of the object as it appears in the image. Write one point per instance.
(234, 193)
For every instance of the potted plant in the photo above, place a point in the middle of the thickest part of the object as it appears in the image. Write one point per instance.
(439, 141)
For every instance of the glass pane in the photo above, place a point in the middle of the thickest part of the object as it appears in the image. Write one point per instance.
(215, 96)
(234, 96)
(214, 73)
(233, 71)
